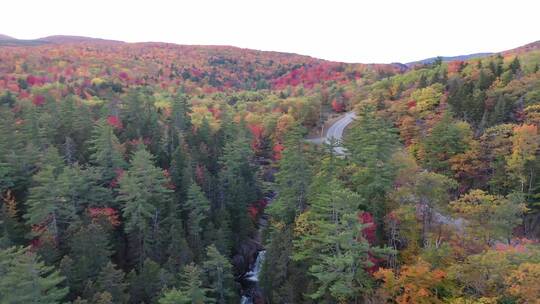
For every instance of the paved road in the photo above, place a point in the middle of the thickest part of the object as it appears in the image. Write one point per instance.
(335, 132)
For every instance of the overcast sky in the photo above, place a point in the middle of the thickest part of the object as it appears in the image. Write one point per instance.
(342, 30)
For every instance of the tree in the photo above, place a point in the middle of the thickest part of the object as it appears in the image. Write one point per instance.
(26, 279)
(370, 145)
(90, 251)
(329, 239)
(416, 283)
(147, 283)
(218, 276)
(48, 208)
(174, 296)
(525, 144)
(237, 178)
(144, 197)
(106, 152)
(192, 287)
(524, 282)
(446, 140)
(489, 217)
(112, 280)
(197, 206)
(292, 180)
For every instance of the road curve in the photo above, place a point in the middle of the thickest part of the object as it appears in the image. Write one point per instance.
(335, 131)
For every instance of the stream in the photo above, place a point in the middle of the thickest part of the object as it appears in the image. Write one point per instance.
(250, 280)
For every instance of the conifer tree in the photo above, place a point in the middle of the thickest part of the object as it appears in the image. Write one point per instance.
(370, 145)
(24, 278)
(106, 154)
(239, 184)
(90, 251)
(292, 180)
(47, 205)
(192, 285)
(197, 206)
(329, 239)
(112, 280)
(218, 276)
(144, 198)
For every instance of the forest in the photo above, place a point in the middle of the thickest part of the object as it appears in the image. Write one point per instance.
(161, 173)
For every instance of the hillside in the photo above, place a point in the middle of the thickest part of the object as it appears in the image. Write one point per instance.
(162, 173)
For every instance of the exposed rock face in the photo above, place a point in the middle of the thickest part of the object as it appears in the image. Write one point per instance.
(246, 256)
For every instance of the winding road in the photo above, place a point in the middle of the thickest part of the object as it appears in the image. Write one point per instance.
(335, 132)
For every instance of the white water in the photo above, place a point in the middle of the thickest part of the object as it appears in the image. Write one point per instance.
(253, 275)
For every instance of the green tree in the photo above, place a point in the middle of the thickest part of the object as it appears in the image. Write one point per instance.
(147, 283)
(174, 296)
(144, 198)
(489, 217)
(292, 180)
(370, 145)
(329, 238)
(112, 280)
(192, 285)
(197, 206)
(218, 276)
(25, 279)
(47, 203)
(239, 184)
(446, 140)
(106, 155)
(90, 251)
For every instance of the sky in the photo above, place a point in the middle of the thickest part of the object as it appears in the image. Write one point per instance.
(367, 31)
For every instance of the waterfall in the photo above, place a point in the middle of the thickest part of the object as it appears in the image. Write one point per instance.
(253, 276)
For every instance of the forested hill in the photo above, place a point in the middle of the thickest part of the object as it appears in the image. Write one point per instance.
(154, 173)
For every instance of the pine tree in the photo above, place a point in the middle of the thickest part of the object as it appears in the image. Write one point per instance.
(90, 251)
(447, 139)
(192, 285)
(106, 154)
(47, 205)
(370, 145)
(178, 252)
(112, 280)
(239, 184)
(25, 279)
(197, 206)
(144, 198)
(329, 238)
(174, 296)
(147, 283)
(292, 180)
(218, 276)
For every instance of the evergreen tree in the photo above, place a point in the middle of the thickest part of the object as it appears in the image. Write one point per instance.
(90, 251)
(192, 286)
(292, 180)
(47, 204)
(112, 280)
(197, 207)
(370, 145)
(174, 296)
(239, 184)
(329, 239)
(106, 153)
(26, 279)
(447, 139)
(144, 198)
(147, 283)
(218, 276)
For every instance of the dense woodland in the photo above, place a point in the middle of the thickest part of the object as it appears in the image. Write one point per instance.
(139, 173)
